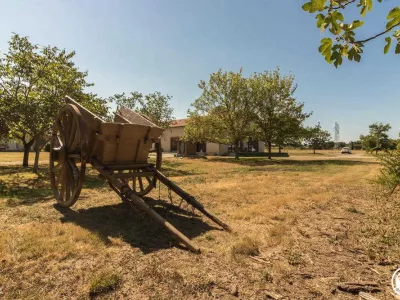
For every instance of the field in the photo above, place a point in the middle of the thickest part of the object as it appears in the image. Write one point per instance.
(303, 225)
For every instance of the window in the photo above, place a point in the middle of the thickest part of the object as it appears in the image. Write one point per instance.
(174, 144)
(252, 145)
(201, 147)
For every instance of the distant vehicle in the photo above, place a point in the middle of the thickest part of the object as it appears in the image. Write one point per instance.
(3, 147)
(345, 150)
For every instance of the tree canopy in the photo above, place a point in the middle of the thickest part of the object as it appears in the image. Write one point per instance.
(222, 113)
(33, 83)
(155, 106)
(276, 114)
(378, 138)
(316, 137)
(342, 41)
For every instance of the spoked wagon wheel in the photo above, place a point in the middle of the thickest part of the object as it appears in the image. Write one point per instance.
(141, 186)
(68, 155)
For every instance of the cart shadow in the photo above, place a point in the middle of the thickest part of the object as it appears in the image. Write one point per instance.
(134, 228)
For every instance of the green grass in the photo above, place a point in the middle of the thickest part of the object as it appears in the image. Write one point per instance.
(104, 282)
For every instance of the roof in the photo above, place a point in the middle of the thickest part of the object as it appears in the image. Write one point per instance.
(179, 123)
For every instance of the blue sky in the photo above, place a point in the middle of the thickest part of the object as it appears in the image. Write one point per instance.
(171, 45)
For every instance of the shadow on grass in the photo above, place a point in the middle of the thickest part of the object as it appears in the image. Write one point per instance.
(257, 162)
(172, 172)
(134, 228)
(22, 187)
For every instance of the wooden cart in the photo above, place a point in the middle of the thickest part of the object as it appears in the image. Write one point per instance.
(119, 152)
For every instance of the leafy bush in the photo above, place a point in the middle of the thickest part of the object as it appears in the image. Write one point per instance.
(390, 173)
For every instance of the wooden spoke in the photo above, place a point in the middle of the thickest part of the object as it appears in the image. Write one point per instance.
(61, 132)
(141, 184)
(138, 184)
(149, 180)
(68, 183)
(61, 175)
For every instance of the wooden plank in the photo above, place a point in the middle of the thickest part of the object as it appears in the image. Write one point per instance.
(127, 166)
(108, 148)
(134, 117)
(89, 118)
(134, 174)
(119, 119)
(130, 137)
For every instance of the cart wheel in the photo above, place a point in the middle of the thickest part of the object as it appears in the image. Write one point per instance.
(68, 155)
(141, 186)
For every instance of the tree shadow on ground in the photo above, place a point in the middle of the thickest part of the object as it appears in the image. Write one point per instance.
(257, 162)
(173, 172)
(134, 228)
(22, 187)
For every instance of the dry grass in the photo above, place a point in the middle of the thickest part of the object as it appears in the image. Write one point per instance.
(301, 225)
(104, 282)
(16, 157)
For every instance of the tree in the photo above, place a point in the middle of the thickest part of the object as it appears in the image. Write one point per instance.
(222, 113)
(342, 41)
(33, 83)
(155, 106)
(377, 139)
(4, 132)
(316, 137)
(275, 112)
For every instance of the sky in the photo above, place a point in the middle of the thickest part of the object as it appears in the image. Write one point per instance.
(169, 46)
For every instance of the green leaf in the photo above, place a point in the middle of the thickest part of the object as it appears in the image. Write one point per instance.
(357, 57)
(363, 11)
(326, 49)
(394, 13)
(397, 51)
(318, 5)
(388, 44)
(306, 6)
(320, 20)
(368, 4)
(356, 24)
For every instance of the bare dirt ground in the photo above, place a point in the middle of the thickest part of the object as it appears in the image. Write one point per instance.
(303, 226)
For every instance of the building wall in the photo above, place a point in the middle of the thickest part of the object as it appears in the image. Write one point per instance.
(212, 148)
(14, 146)
(168, 134)
(261, 147)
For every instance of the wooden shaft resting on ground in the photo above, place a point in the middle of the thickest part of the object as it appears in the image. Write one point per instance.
(190, 199)
(140, 205)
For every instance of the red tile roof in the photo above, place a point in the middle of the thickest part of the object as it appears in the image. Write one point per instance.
(178, 123)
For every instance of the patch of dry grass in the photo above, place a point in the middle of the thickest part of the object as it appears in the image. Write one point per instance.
(246, 246)
(296, 222)
(16, 157)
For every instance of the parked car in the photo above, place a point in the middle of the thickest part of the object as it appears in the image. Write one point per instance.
(345, 150)
(3, 147)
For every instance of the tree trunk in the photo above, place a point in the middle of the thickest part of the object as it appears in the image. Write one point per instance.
(37, 154)
(269, 149)
(27, 147)
(314, 150)
(237, 146)
(280, 149)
